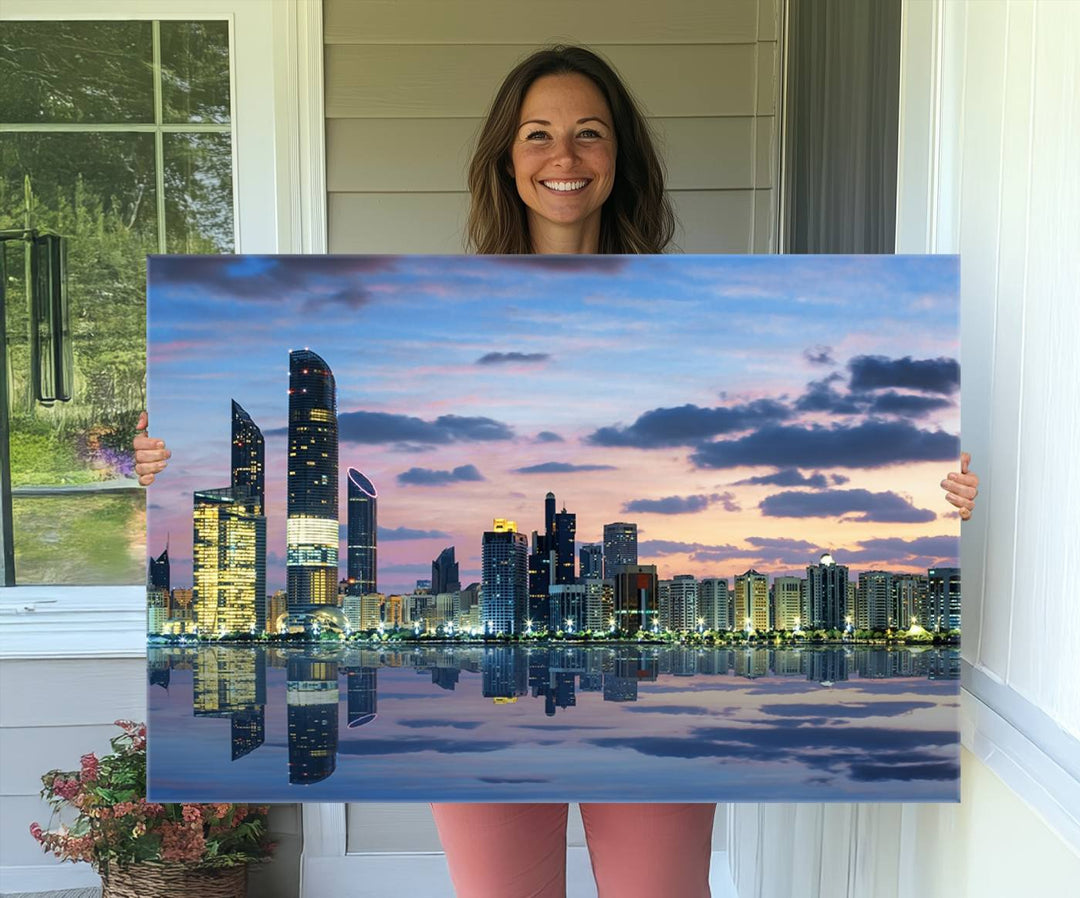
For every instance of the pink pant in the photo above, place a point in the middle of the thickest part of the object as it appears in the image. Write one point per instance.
(519, 850)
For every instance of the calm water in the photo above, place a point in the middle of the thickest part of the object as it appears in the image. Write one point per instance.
(553, 724)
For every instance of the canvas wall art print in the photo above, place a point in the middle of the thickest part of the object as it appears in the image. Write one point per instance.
(449, 528)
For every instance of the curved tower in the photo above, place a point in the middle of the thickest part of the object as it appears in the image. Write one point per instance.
(312, 509)
(363, 520)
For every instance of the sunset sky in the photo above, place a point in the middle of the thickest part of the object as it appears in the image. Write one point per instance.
(744, 411)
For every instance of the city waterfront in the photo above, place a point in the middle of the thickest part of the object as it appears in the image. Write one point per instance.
(553, 723)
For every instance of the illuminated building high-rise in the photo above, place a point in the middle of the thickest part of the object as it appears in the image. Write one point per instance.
(827, 594)
(873, 598)
(229, 561)
(229, 546)
(787, 607)
(752, 600)
(713, 603)
(248, 455)
(157, 594)
(361, 534)
(312, 507)
(943, 598)
(636, 597)
(591, 562)
(620, 546)
(505, 579)
(562, 541)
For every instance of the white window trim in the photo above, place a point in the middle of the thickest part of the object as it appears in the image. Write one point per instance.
(280, 207)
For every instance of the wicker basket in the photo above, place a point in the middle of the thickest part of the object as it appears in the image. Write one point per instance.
(149, 880)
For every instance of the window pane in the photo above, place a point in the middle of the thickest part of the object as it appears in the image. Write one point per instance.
(76, 72)
(198, 193)
(195, 71)
(98, 191)
(82, 539)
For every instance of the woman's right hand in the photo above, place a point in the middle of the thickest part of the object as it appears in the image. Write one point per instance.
(151, 456)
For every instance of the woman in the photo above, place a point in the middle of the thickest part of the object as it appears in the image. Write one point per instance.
(565, 164)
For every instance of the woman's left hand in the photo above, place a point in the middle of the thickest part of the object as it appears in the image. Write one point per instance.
(962, 488)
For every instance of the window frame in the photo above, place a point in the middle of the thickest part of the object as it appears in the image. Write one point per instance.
(276, 92)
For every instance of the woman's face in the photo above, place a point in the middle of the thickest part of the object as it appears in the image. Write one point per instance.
(563, 155)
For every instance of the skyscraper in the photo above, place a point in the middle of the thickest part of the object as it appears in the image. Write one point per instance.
(157, 594)
(943, 598)
(636, 597)
(591, 562)
(312, 508)
(229, 561)
(752, 600)
(445, 576)
(504, 599)
(787, 602)
(229, 546)
(873, 598)
(248, 455)
(361, 537)
(620, 546)
(683, 602)
(713, 603)
(563, 543)
(827, 590)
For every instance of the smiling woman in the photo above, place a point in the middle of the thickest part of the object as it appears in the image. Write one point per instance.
(565, 163)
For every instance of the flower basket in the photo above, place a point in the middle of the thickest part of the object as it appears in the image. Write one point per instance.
(173, 881)
(143, 849)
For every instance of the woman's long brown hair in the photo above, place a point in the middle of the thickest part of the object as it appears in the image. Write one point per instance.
(637, 216)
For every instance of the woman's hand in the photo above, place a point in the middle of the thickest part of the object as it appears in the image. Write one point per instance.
(151, 456)
(961, 489)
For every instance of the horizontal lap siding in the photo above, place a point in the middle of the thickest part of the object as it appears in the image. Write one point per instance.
(408, 83)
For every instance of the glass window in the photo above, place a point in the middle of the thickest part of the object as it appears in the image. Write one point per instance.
(117, 136)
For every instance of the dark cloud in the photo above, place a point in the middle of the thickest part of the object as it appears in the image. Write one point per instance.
(670, 709)
(871, 444)
(876, 372)
(321, 281)
(885, 507)
(939, 771)
(384, 427)
(907, 404)
(906, 551)
(548, 436)
(839, 479)
(406, 746)
(788, 551)
(403, 533)
(430, 477)
(787, 477)
(821, 397)
(681, 504)
(819, 355)
(847, 709)
(511, 779)
(697, 551)
(561, 467)
(424, 723)
(502, 358)
(690, 424)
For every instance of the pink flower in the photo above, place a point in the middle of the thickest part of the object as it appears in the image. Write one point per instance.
(36, 831)
(192, 813)
(65, 788)
(89, 767)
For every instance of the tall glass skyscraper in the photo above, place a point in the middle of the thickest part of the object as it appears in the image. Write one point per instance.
(826, 594)
(248, 454)
(312, 507)
(505, 579)
(620, 546)
(361, 534)
(445, 576)
(229, 561)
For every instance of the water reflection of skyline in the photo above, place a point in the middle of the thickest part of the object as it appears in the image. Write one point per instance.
(524, 690)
